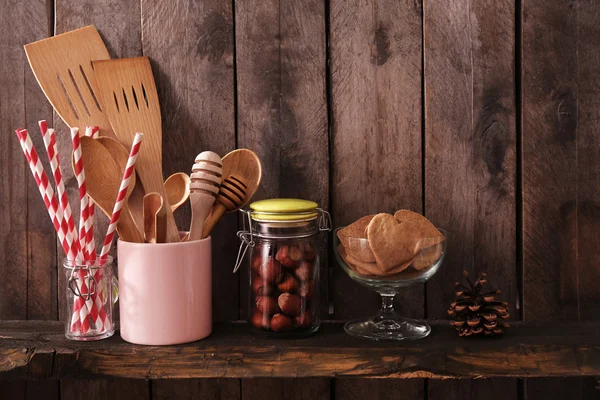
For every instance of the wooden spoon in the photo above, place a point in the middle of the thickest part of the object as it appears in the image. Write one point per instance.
(206, 180)
(62, 66)
(103, 179)
(154, 218)
(120, 154)
(130, 101)
(177, 187)
(243, 172)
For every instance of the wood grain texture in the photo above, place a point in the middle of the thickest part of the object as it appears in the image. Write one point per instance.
(27, 245)
(375, 49)
(566, 388)
(471, 143)
(470, 137)
(193, 68)
(381, 389)
(476, 389)
(28, 288)
(282, 115)
(104, 389)
(282, 109)
(289, 389)
(39, 350)
(560, 176)
(119, 25)
(62, 66)
(23, 390)
(376, 126)
(196, 389)
(121, 82)
(561, 199)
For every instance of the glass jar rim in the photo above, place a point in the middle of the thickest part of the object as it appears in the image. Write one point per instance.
(104, 262)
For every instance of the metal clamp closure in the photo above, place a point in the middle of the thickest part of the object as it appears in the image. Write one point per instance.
(247, 238)
(324, 223)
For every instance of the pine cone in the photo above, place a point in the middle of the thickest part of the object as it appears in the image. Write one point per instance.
(477, 312)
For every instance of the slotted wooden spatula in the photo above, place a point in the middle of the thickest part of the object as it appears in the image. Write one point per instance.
(129, 100)
(62, 66)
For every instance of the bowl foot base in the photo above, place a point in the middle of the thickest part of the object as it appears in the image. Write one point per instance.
(397, 328)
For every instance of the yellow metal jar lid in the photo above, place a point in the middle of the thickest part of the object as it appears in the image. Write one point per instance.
(283, 210)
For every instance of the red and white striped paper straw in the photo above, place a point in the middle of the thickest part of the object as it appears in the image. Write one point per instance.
(91, 131)
(50, 143)
(97, 313)
(70, 246)
(84, 223)
(37, 170)
(116, 213)
(84, 226)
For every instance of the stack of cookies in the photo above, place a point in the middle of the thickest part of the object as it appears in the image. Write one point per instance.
(385, 244)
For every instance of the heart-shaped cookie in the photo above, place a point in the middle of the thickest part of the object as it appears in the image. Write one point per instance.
(350, 237)
(360, 267)
(393, 242)
(425, 229)
(368, 269)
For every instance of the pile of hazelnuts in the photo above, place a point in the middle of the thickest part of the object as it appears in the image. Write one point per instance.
(283, 288)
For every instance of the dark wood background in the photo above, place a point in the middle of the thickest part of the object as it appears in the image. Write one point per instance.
(482, 114)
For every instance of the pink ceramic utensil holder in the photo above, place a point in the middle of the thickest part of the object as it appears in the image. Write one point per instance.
(165, 292)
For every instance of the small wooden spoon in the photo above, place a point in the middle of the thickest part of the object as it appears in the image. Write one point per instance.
(206, 180)
(103, 179)
(243, 172)
(177, 187)
(155, 222)
(120, 154)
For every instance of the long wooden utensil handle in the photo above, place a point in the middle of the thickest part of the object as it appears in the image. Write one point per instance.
(127, 228)
(215, 215)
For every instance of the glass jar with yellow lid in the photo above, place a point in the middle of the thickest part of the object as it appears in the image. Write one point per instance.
(284, 264)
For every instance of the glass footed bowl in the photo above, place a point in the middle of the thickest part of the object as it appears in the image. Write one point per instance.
(387, 324)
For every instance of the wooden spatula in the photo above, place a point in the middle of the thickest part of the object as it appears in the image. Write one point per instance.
(62, 66)
(129, 100)
(121, 155)
(103, 180)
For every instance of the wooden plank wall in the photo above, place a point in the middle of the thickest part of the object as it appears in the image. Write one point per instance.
(481, 114)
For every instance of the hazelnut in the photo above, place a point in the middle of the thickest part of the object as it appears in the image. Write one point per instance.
(304, 272)
(259, 255)
(290, 304)
(303, 320)
(283, 256)
(260, 287)
(295, 254)
(260, 320)
(270, 271)
(256, 261)
(281, 323)
(307, 289)
(288, 284)
(266, 305)
(308, 251)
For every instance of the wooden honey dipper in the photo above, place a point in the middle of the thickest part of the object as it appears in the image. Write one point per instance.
(243, 172)
(232, 196)
(205, 183)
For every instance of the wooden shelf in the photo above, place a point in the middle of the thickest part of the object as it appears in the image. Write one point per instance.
(38, 350)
